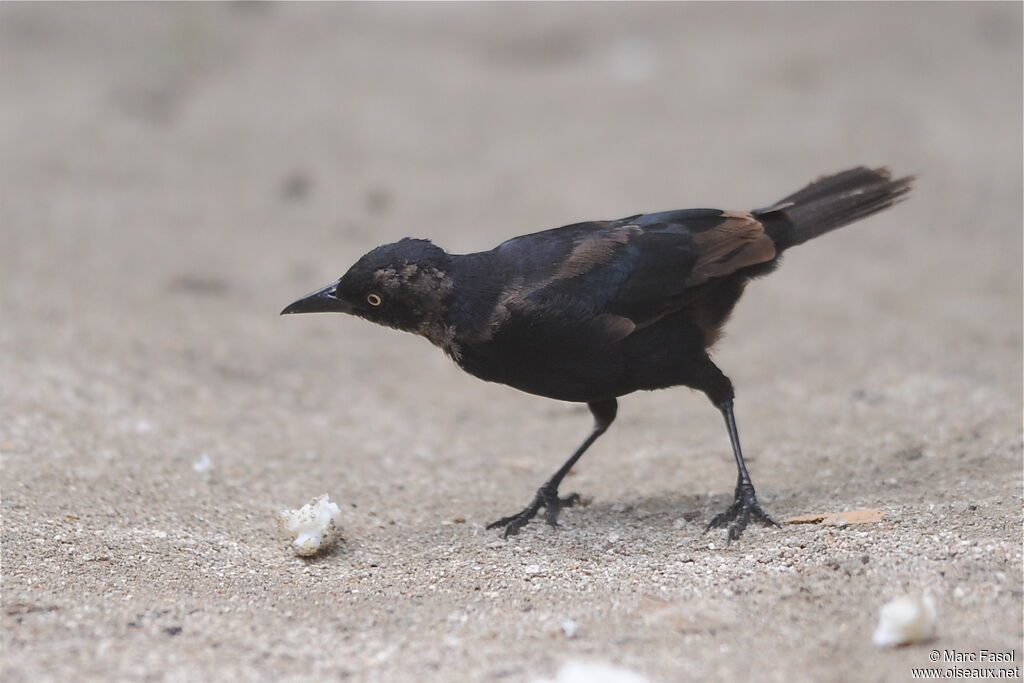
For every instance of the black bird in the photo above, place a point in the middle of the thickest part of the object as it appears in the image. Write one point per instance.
(593, 311)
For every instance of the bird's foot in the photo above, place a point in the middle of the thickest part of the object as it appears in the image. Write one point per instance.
(743, 508)
(546, 498)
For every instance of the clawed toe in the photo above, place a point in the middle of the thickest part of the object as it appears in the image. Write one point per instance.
(553, 506)
(513, 524)
(739, 514)
(546, 499)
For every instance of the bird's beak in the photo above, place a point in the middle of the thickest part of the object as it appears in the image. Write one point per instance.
(320, 301)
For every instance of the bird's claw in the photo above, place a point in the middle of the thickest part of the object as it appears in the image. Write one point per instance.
(743, 508)
(546, 498)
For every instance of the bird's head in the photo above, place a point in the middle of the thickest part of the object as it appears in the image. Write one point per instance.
(401, 285)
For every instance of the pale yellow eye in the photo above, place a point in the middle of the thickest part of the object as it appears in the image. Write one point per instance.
(374, 299)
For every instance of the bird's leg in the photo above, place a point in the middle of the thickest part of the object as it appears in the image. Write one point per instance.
(547, 495)
(744, 505)
(713, 382)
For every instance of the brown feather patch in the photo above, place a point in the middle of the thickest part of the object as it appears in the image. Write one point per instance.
(737, 242)
(617, 326)
(593, 250)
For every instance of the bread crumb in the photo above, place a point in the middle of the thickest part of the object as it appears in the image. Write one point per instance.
(905, 620)
(316, 525)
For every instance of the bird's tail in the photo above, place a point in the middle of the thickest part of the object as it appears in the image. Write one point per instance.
(831, 202)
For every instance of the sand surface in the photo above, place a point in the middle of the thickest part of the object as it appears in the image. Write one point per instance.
(172, 175)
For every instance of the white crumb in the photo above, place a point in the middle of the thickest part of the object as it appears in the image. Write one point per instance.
(316, 525)
(905, 620)
(593, 672)
(203, 464)
(570, 628)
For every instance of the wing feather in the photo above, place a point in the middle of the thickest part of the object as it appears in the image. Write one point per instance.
(619, 276)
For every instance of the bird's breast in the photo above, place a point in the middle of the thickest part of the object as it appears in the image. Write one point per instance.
(567, 372)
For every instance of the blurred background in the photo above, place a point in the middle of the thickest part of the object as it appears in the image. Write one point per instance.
(169, 162)
(173, 174)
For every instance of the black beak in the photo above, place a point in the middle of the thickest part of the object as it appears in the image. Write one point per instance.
(320, 301)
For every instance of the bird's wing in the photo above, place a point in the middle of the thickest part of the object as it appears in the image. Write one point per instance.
(621, 275)
(715, 244)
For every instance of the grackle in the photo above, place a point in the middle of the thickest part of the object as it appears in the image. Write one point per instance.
(593, 311)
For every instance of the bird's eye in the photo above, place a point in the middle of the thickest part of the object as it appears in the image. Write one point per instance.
(374, 299)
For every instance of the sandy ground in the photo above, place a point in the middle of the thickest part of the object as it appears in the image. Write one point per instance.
(173, 175)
